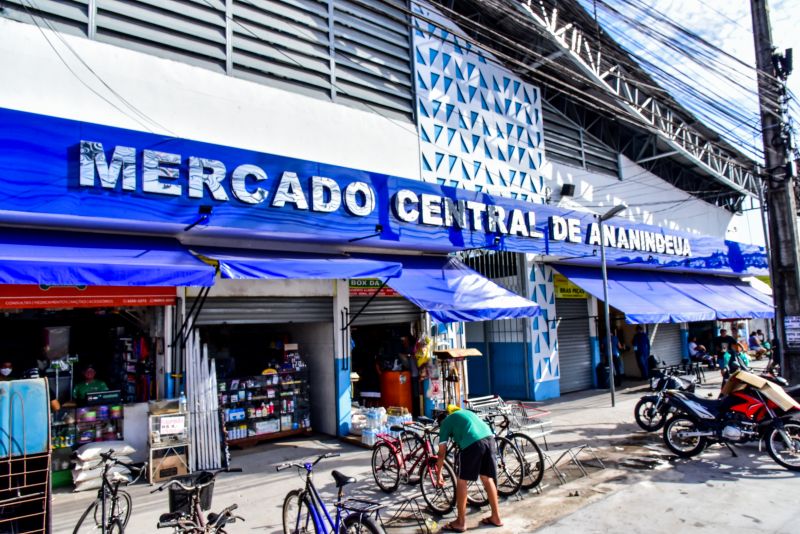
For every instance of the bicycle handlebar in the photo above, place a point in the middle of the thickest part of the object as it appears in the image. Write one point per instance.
(287, 465)
(197, 487)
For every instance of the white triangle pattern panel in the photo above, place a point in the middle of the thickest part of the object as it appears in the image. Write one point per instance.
(545, 346)
(480, 126)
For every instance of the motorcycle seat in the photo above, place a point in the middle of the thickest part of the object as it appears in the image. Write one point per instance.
(713, 404)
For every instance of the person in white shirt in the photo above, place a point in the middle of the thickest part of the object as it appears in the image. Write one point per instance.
(698, 353)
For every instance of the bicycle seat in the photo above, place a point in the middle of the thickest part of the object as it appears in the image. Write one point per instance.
(396, 428)
(169, 520)
(341, 479)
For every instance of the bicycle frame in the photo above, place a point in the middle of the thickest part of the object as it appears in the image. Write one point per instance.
(107, 490)
(420, 454)
(318, 510)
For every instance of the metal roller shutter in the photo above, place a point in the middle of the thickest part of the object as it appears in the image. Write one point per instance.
(574, 350)
(666, 345)
(383, 310)
(264, 310)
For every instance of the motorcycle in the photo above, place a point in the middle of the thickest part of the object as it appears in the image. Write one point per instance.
(652, 410)
(745, 415)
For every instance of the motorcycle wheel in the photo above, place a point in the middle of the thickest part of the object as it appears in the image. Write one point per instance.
(785, 454)
(684, 447)
(648, 417)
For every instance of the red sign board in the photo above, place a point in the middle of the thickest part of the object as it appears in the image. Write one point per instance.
(366, 288)
(17, 296)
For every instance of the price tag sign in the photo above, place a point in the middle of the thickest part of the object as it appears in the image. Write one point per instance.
(172, 424)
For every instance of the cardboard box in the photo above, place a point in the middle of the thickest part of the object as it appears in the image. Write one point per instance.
(772, 391)
(168, 467)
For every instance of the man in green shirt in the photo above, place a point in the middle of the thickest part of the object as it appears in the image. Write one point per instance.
(90, 385)
(477, 457)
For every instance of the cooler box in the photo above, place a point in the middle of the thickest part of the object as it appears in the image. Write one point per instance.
(396, 389)
(28, 418)
(5, 412)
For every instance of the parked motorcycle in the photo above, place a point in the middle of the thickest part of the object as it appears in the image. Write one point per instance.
(652, 410)
(742, 416)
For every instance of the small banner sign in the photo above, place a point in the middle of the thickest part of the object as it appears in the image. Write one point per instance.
(366, 287)
(566, 289)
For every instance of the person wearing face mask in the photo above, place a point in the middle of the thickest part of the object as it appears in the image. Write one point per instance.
(5, 372)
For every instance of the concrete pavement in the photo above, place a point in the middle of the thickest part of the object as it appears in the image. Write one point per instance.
(642, 489)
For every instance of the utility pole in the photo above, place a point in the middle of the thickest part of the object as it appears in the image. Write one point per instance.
(779, 184)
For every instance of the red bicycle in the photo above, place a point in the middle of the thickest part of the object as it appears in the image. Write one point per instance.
(411, 458)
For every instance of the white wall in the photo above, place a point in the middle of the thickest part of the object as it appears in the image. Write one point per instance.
(104, 84)
(651, 200)
(267, 288)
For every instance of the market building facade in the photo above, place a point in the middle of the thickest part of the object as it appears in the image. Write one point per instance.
(286, 157)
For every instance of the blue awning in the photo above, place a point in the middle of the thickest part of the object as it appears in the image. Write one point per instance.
(655, 297)
(450, 291)
(262, 264)
(76, 259)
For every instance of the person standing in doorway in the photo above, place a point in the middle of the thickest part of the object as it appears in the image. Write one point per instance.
(477, 457)
(641, 347)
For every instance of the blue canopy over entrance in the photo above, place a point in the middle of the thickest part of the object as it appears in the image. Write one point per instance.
(264, 265)
(653, 297)
(450, 291)
(85, 259)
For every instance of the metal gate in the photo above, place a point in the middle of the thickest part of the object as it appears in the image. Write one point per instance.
(574, 349)
(667, 345)
(264, 310)
(505, 342)
(383, 310)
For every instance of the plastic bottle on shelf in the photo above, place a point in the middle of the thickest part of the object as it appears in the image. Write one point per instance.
(182, 403)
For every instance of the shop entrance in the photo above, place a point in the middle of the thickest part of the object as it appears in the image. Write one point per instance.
(384, 361)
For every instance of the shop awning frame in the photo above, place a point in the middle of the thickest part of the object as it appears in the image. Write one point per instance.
(61, 258)
(248, 264)
(648, 297)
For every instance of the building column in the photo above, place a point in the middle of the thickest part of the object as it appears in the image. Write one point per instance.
(684, 340)
(342, 361)
(544, 374)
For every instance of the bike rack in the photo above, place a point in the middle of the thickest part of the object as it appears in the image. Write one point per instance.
(573, 453)
(410, 505)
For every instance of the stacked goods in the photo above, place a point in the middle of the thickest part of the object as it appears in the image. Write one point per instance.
(88, 471)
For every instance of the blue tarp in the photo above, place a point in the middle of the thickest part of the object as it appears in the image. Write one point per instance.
(654, 297)
(244, 264)
(77, 259)
(450, 291)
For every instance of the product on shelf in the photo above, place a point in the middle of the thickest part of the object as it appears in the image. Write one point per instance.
(276, 401)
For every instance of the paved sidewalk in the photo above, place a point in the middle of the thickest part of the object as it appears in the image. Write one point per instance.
(637, 467)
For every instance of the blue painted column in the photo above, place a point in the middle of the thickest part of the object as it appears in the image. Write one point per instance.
(685, 341)
(341, 360)
(594, 339)
(544, 372)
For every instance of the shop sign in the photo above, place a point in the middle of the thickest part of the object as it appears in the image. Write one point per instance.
(22, 296)
(366, 287)
(63, 171)
(565, 289)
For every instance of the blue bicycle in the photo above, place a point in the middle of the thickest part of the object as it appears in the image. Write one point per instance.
(305, 513)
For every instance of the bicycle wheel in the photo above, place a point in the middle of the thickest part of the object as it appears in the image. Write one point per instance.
(385, 467)
(411, 446)
(119, 508)
(510, 467)
(476, 494)
(440, 499)
(115, 527)
(360, 524)
(87, 523)
(297, 518)
(532, 457)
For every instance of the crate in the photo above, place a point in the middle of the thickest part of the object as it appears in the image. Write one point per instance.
(168, 467)
(180, 500)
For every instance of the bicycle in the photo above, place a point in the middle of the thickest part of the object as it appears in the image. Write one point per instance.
(510, 469)
(395, 459)
(532, 455)
(188, 501)
(111, 510)
(304, 512)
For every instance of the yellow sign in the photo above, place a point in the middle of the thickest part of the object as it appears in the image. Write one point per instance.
(566, 289)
